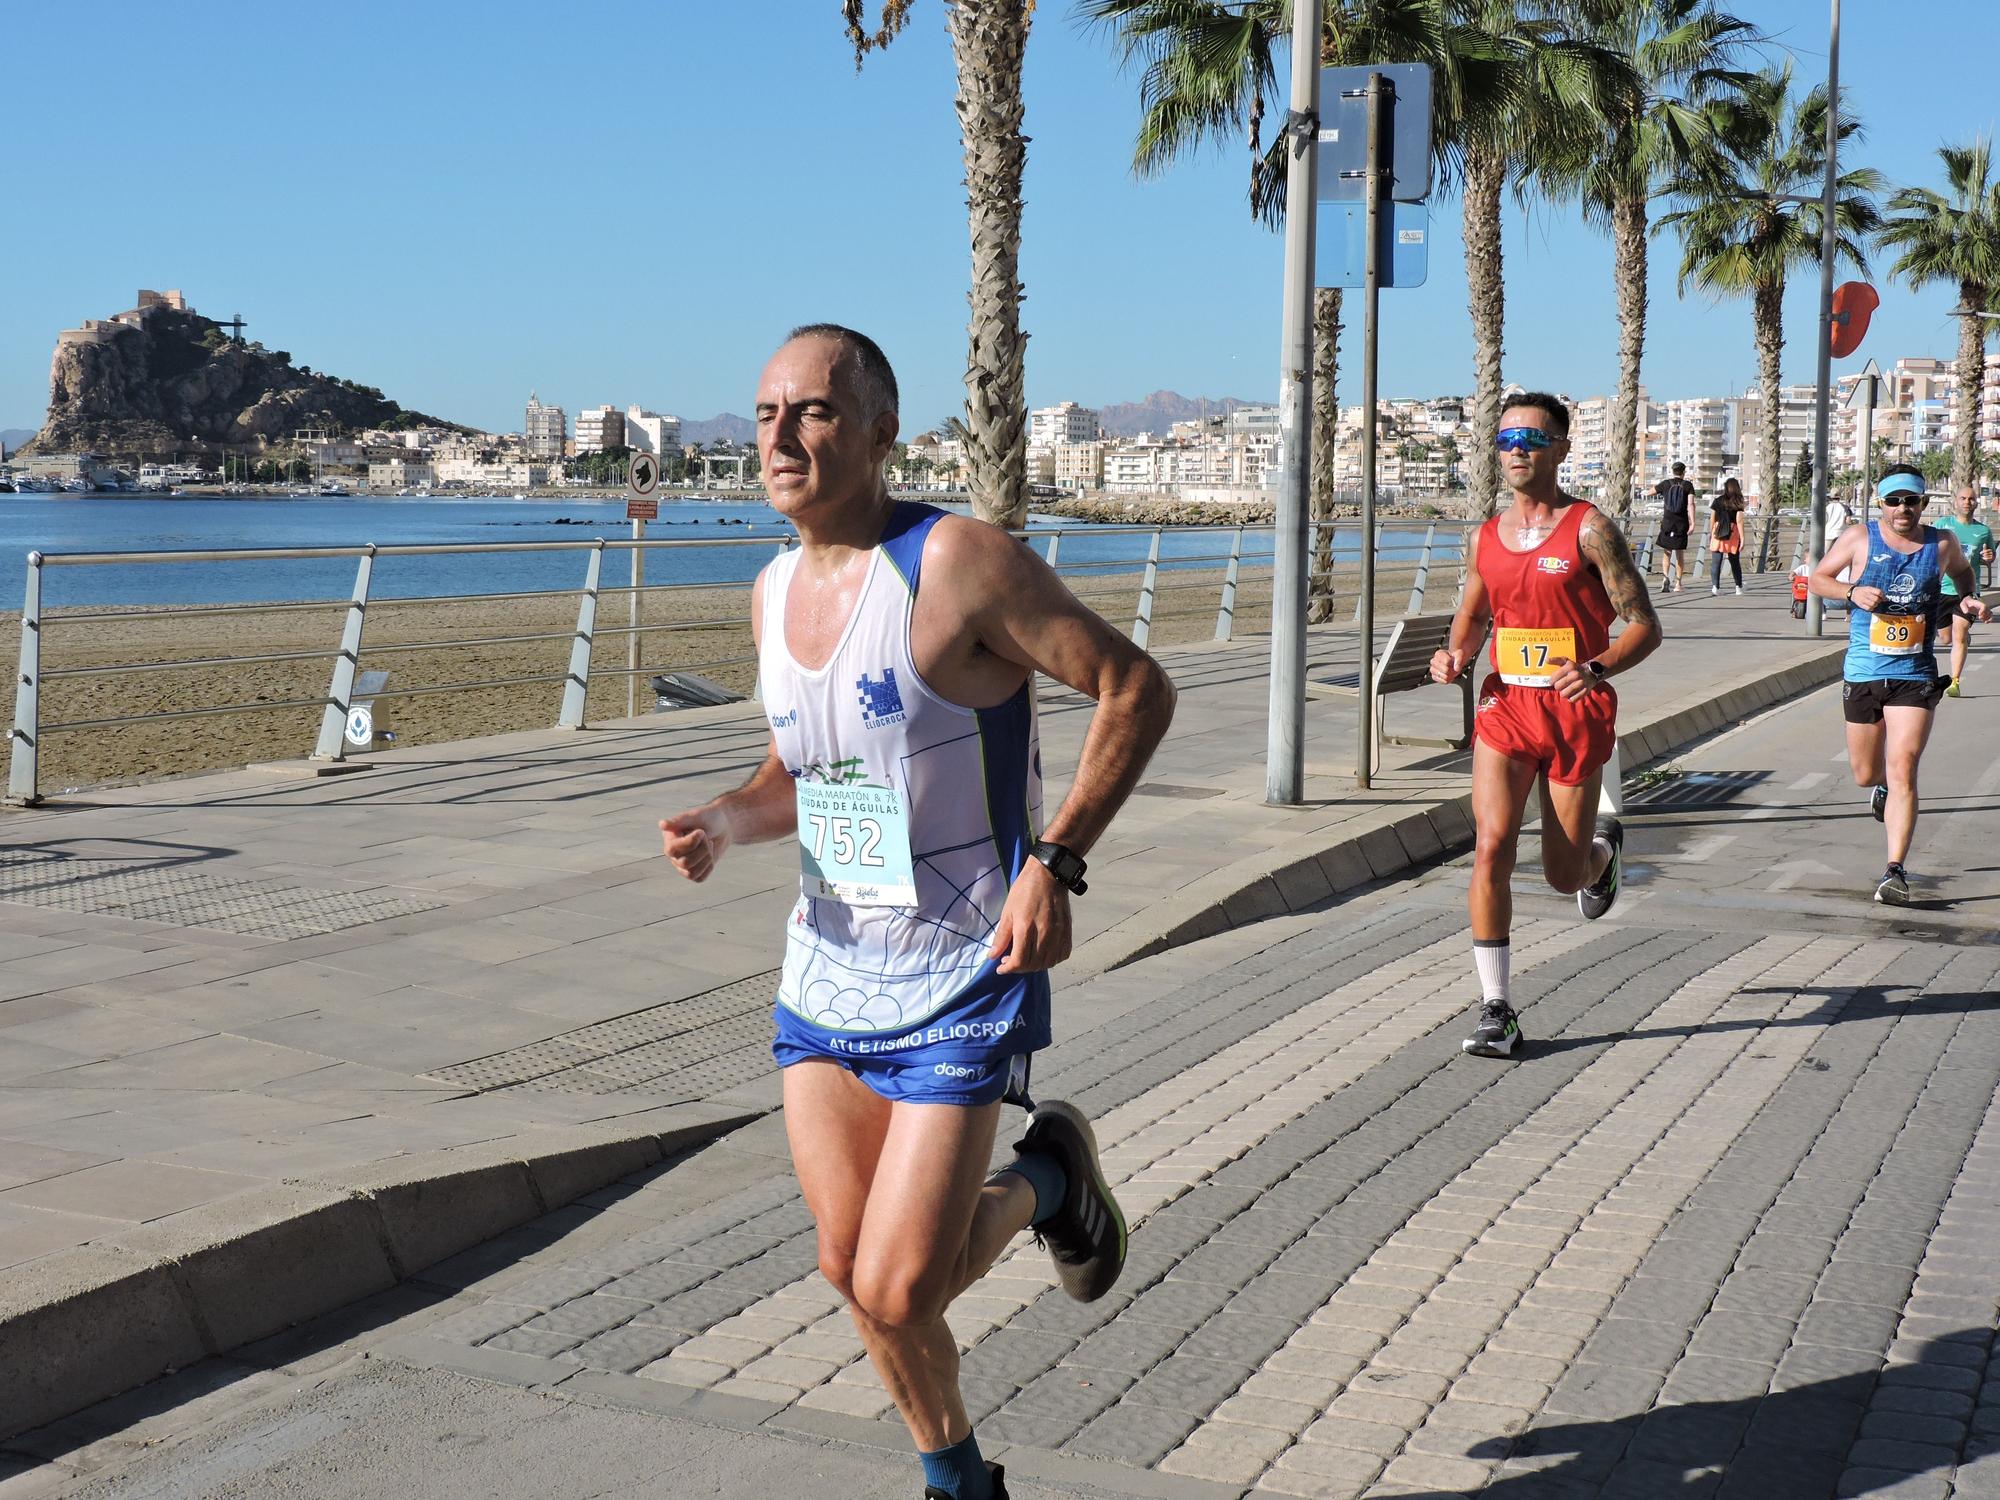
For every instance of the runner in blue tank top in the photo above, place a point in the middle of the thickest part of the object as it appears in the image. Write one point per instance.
(896, 651)
(1891, 688)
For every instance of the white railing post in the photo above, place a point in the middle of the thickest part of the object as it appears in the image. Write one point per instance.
(21, 765)
(1142, 624)
(1423, 572)
(1701, 554)
(1225, 616)
(1611, 792)
(340, 691)
(576, 687)
(1055, 543)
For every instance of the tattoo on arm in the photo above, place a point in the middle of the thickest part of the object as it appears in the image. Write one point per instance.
(1605, 546)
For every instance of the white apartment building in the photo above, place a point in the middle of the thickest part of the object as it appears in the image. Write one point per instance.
(599, 428)
(1077, 466)
(1132, 468)
(400, 473)
(546, 429)
(1065, 422)
(496, 475)
(1701, 432)
(1795, 436)
(649, 432)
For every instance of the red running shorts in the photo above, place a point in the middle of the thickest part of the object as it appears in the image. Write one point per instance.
(1567, 741)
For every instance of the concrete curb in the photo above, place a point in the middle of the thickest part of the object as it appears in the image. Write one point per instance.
(1398, 836)
(78, 1327)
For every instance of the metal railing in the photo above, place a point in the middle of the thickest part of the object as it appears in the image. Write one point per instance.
(1158, 574)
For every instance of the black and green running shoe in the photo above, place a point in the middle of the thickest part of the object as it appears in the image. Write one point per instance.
(1498, 1032)
(1597, 898)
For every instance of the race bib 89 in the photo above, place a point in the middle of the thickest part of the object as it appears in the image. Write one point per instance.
(1897, 635)
(854, 844)
(1527, 658)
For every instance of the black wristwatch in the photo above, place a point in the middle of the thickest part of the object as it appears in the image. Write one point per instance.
(1065, 864)
(1596, 670)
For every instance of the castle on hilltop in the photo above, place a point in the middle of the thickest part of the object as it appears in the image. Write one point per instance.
(103, 330)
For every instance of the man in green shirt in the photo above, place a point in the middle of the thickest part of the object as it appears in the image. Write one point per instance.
(1975, 539)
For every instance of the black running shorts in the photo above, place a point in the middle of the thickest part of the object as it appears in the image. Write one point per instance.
(1863, 702)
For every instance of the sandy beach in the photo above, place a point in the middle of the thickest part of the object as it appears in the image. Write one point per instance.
(700, 629)
(703, 629)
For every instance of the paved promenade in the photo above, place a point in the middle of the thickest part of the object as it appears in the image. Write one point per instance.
(461, 989)
(1725, 1229)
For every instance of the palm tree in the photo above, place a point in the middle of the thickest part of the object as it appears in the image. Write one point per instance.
(1681, 52)
(1561, 89)
(1209, 76)
(1955, 239)
(988, 39)
(1752, 212)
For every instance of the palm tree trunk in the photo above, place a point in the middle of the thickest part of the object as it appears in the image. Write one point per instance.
(1971, 376)
(1628, 239)
(1767, 314)
(988, 38)
(1325, 444)
(1485, 176)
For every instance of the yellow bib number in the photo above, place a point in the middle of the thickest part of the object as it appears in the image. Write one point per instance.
(1897, 635)
(1528, 658)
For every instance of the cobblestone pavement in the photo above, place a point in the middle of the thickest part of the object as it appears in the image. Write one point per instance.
(1725, 1228)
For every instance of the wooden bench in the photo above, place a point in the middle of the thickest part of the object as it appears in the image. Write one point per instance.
(1405, 665)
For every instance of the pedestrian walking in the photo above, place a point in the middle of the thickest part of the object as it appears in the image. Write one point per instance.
(896, 647)
(1548, 575)
(1725, 535)
(1676, 497)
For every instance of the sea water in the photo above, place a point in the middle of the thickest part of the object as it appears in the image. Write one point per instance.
(129, 523)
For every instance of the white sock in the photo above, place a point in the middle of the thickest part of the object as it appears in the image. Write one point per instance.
(1492, 959)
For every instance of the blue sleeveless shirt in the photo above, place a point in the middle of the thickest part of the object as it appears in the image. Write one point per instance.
(1899, 639)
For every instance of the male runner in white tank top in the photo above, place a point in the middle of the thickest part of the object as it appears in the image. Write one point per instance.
(896, 649)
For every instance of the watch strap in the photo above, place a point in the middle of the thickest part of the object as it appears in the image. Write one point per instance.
(1062, 862)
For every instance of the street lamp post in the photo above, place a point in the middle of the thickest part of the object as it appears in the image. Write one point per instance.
(1823, 399)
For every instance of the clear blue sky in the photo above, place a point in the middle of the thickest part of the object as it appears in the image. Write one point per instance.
(462, 203)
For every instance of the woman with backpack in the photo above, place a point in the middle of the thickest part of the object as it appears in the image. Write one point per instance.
(1725, 530)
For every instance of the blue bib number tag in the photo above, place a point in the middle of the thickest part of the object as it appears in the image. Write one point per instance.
(854, 845)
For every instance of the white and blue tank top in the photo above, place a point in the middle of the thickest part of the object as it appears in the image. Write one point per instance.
(1899, 638)
(909, 983)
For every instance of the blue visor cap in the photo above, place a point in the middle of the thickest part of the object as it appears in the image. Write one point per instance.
(1900, 484)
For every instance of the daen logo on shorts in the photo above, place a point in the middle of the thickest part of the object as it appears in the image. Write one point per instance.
(954, 1070)
(1552, 564)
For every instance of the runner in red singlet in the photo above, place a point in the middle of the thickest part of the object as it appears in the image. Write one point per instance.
(1549, 574)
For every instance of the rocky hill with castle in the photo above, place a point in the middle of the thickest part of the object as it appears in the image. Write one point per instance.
(160, 379)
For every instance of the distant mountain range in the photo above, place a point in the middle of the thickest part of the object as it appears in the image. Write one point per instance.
(726, 427)
(12, 437)
(1159, 411)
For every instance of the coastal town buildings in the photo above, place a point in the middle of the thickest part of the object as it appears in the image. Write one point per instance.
(1065, 422)
(649, 432)
(545, 428)
(599, 428)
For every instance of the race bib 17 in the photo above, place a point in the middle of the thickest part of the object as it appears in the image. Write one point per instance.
(854, 844)
(1527, 658)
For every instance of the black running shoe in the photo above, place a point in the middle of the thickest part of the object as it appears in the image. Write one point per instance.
(1894, 887)
(1498, 1032)
(1086, 1236)
(993, 1472)
(1878, 803)
(1597, 898)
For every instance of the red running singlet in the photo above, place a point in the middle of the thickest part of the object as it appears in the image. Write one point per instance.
(1548, 606)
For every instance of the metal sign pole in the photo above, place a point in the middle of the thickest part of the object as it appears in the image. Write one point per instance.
(632, 639)
(1284, 752)
(1867, 446)
(1371, 299)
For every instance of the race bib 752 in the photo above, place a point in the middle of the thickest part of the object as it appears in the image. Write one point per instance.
(854, 844)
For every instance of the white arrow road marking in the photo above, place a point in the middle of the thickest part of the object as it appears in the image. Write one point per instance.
(1701, 851)
(1810, 779)
(1792, 871)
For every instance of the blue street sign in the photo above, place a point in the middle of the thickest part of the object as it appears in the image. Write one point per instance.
(1402, 258)
(1343, 132)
